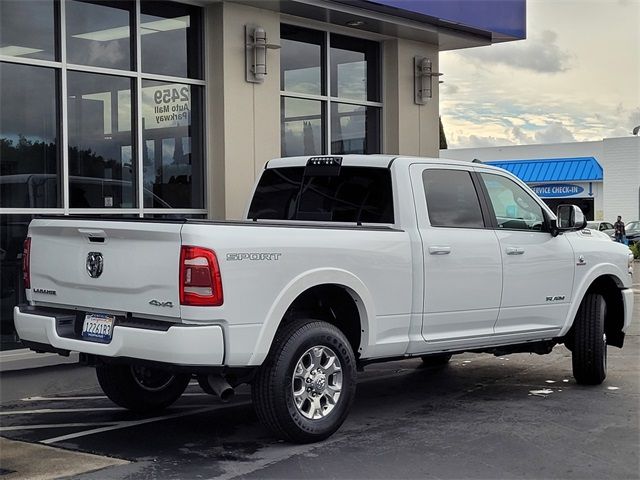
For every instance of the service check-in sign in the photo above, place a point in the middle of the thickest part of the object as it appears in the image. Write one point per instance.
(556, 190)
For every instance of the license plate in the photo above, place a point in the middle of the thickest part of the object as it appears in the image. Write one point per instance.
(98, 327)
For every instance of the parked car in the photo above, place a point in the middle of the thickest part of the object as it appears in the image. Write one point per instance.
(341, 262)
(633, 231)
(604, 227)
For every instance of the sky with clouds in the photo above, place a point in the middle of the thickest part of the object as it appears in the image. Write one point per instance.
(575, 78)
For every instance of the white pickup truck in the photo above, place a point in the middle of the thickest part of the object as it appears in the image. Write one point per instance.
(341, 261)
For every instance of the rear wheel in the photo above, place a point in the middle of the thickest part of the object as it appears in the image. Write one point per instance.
(589, 353)
(305, 388)
(141, 389)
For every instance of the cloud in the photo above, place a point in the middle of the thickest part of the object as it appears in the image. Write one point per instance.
(520, 135)
(540, 53)
(474, 141)
(554, 133)
(451, 88)
(101, 52)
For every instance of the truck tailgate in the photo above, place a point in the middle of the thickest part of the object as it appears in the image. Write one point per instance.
(139, 271)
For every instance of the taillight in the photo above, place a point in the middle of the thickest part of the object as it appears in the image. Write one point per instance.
(200, 281)
(26, 263)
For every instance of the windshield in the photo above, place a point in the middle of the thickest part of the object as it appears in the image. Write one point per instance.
(633, 227)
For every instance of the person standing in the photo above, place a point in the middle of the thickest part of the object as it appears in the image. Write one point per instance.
(619, 232)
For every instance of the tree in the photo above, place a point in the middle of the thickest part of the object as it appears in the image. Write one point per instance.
(443, 137)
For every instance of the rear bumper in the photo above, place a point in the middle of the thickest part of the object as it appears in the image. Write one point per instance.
(188, 345)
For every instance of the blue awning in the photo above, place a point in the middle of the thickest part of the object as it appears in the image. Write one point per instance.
(584, 169)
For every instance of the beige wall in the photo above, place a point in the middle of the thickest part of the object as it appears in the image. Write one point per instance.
(244, 127)
(243, 119)
(409, 129)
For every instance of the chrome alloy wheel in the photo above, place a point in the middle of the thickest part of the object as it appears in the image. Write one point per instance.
(317, 382)
(151, 379)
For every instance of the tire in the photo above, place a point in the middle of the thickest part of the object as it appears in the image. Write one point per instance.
(589, 354)
(141, 389)
(293, 388)
(438, 360)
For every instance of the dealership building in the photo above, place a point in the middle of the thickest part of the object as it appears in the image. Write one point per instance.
(601, 177)
(158, 109)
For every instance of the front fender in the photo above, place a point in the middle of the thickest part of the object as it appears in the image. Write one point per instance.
(583, 284)
(302, 283)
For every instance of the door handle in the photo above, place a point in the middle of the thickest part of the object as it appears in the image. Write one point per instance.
(515, 251)
(439, 250)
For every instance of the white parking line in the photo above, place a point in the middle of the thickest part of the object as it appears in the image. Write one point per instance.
(52, 425)
(138, 422)
(60, 410)
(110, 426)
(91, 397)
(46, 399)
(77, 410)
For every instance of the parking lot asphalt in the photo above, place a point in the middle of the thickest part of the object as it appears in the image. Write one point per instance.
(518, 416)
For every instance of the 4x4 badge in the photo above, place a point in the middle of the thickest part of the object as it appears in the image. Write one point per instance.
(94, 264)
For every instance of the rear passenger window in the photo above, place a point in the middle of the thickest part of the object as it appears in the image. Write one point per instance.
(357, 194)
(452, 200)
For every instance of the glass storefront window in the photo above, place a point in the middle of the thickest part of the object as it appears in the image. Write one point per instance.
(114, 148)
(302, 128)
(13, 231)
(99, 33)
(172, 145)
(101, 165)
(301, 60)
(28, 29)
(29, 161)
(354, 129)
(349, 107)
(171, 39)
(354, 69)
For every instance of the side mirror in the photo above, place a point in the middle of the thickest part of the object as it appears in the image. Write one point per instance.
(570, 218)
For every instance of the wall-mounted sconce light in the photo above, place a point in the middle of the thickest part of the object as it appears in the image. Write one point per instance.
(423, 80)
(256, 53)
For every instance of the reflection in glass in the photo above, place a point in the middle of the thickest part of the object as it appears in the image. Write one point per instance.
(452, 200)
(101, 160)
(99, 34)
(13, 231)
(29, 160)
(355, 71)
(302, 130)
(27, 29)
(300, 60)
(172, 143)
(354, 129)
(171, 38)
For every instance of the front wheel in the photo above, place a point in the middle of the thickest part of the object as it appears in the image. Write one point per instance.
(141, 389)
(305, 388)
(589, 345)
